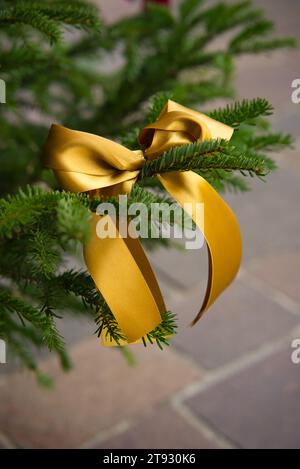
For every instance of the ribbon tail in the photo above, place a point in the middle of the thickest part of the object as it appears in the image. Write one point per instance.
(218, 225)
(123, 275)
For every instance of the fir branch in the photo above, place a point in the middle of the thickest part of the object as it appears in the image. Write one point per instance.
(223, 17)
(81, 284)
(42, 253)
(20, 340)
(256, 47)
(213, 154)
(162, 333)
(22, 13)
(188, 9)
(144, 24)
(242, 112)
(203, 91)
(258, 28)
(138, 194)
(21, 59)
(107, 324)
(22, 351)
(72, 12)
(28, 206)
(159, 13)
(73, 219)
(269, 142)
(45, 17)
(45, 323)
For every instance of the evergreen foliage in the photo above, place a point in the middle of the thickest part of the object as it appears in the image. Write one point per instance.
(54, 60)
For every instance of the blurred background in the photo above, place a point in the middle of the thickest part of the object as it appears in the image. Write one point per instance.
(228, 382)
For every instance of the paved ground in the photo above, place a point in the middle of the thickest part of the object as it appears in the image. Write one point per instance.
(229, 382)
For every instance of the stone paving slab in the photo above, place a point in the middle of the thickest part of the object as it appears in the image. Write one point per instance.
(281, 271)
(258, 407)
(180, 272)
(162, 427)
(101, 390)
(239, 322)
(268, 215)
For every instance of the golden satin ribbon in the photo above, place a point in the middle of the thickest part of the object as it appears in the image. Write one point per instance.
(85, 162)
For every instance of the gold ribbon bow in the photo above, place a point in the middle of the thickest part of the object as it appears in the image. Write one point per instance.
(85, 162)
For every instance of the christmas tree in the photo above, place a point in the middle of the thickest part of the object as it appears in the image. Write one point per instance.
(61, 63)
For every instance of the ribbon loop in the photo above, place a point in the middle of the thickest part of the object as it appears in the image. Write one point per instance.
(85, 162)
(179, 125)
